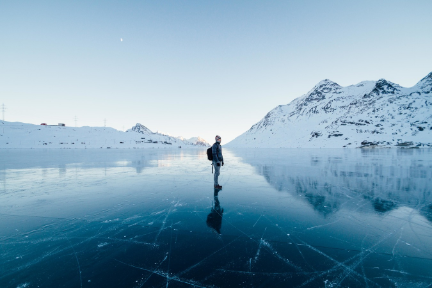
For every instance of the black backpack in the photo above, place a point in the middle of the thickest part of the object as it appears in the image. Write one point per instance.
(210, 154)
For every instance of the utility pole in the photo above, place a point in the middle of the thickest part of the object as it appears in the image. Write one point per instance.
(3, 110)
(76, 120)
(105, 122)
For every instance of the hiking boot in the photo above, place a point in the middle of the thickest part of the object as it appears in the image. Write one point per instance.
(217, 187)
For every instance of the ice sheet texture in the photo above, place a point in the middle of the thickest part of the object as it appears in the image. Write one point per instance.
(285, 218)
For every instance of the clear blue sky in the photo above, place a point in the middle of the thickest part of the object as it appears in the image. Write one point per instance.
(197, 67)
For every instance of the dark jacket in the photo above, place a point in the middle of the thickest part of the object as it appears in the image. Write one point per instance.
(217, 152)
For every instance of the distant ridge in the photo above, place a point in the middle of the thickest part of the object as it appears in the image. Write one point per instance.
(198, 141)
(23, 135)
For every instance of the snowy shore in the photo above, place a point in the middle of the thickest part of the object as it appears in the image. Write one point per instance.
(16, 135)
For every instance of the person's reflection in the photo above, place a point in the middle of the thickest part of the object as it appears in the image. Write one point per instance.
(214, 218)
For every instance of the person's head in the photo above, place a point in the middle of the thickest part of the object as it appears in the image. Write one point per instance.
(218, 138)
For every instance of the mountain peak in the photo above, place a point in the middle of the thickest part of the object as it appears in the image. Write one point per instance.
(382, 86)
(325, 81)
(326, 85)
(141, 129)
(198, 141)
(427, 78)
(323, 87)
(426, 83)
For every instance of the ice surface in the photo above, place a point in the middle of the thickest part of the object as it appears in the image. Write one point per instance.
(147, 218)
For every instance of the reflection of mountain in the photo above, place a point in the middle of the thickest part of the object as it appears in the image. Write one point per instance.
(382, 206)
(140, 165)
(94, 158)
(321, 204)
(426, 211)
(330, 180)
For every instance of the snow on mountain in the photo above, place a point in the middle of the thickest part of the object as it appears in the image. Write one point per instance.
(195, 141)
(369, 114)
(22, 135)
(139, 128)
(198, 141)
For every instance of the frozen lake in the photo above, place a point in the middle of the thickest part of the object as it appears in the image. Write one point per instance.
(150, 218)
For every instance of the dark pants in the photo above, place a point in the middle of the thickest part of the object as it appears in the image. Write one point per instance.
(216, 173)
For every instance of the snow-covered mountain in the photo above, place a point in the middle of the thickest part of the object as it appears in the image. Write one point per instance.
(369, 114)
(22, 135)
(139, 128)
(198, 141)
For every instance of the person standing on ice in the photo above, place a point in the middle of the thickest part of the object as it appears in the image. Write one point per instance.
(217, 160)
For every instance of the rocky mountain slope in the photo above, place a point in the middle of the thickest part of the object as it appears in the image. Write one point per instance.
(369, 114)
